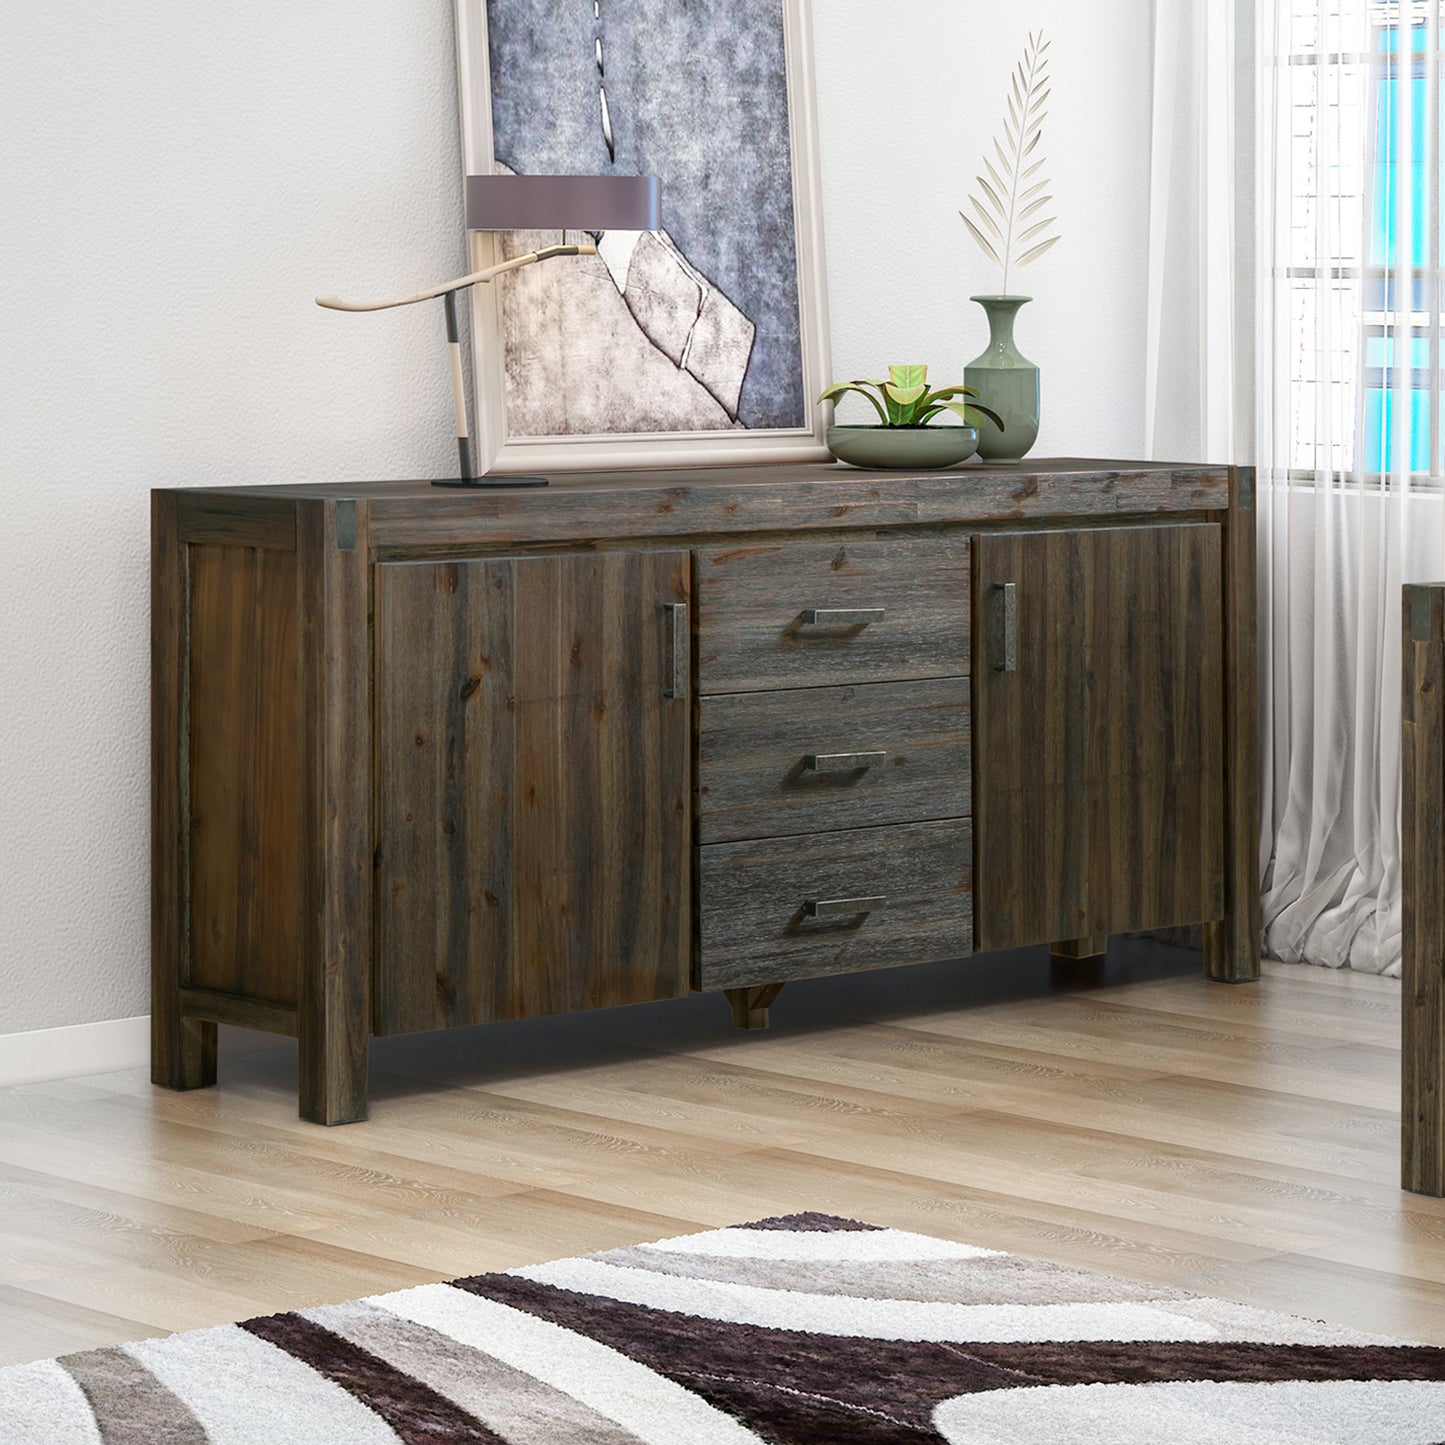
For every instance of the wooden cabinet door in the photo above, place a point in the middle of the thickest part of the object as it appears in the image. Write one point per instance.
(533, 786)
(1098, 717)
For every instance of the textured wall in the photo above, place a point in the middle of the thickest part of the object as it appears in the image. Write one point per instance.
(179, 181)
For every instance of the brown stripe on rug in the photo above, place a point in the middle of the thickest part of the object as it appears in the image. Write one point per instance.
(773, 1380)
(418, 1414)
(778, 1381)
(517, 1407)
(130, 1405)
(807, 1223)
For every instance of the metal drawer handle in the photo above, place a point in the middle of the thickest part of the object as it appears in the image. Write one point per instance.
(842, 616)
(842, 762)
(1010, 628)
(841, 907)
(678, 650)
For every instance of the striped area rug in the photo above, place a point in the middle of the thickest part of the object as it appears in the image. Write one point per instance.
(806, 1330)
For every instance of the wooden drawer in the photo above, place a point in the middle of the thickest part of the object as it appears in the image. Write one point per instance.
(774, 763)
(756, 629)
(754, 918)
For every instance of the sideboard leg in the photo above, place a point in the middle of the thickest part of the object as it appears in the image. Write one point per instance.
(183, 1051)
(1079, 948)
(750, 1005)
(1422, 870)
(1232, 943)
(333, 1016)
(331, 1065)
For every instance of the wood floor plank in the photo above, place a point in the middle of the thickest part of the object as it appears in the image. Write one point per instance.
(1235, 1141)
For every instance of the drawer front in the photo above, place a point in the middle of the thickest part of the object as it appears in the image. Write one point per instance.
(811, 615)
(756, 925)
(801, 761)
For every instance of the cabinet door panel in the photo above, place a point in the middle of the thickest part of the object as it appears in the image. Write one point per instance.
(1099, 765)
(533, 788)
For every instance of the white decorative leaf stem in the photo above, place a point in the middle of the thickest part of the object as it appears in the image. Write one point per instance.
(1008, 198)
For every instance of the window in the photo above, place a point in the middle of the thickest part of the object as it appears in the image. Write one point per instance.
(1367, 149)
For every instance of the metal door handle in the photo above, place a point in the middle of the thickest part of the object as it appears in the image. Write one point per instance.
(842, 762)
(1009, 627)
(841, 907)
(679, 652)
(842, 616)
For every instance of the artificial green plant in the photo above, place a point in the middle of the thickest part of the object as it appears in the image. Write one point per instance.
(905, 400)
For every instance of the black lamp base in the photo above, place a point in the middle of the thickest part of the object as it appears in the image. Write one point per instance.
(491, 482)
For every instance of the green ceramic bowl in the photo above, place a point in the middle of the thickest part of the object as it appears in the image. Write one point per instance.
(903, 448)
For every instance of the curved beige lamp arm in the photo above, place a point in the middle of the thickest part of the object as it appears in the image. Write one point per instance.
(335, 303)
(448, 292)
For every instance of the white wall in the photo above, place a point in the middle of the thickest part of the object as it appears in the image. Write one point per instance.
(179, 180)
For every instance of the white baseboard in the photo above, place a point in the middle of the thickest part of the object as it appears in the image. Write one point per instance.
(43, 1054)
(69, 1053)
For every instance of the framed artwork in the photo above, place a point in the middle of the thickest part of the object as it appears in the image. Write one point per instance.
(705, 342)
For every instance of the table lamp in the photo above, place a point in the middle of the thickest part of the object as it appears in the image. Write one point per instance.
(525, 203)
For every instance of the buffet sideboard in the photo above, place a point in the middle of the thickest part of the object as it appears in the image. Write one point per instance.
(424, 759)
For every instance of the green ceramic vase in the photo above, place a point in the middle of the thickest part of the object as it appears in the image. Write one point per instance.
(1006, 381)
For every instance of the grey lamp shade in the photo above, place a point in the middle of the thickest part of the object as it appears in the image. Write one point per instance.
(566, 203)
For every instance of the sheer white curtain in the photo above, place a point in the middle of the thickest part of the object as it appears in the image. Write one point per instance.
(1342, 377)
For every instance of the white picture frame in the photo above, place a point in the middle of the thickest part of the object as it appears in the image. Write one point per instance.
(500, 452)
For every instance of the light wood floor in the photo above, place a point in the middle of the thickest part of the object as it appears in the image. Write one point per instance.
(1239, 1141)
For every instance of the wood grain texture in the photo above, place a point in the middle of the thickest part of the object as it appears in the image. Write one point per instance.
(753, 781)
(244, 713)
(751, 903)
(694, 502)
(334, 996)
(1422, 874)
(751, 599)
(534, 788)
(1098, 766)
(183, 1051)
(1232, 943)
(239, 1011)
(1239, 1142)
(216, 518)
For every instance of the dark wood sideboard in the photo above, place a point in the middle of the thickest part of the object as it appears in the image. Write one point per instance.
(1422, 889)
(427, 758)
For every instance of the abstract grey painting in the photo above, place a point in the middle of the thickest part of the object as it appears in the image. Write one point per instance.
(695, 328)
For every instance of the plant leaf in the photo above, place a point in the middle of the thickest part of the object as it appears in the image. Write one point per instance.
(1033, 190)
(837, 390)
(993, 175)
(1037, 166)
(971, 414)
(982, 240)
(1013, 110)
(1035, 229)
(902, 402)
(992, 194)
(984, 216)
(1033, 206)
(1029, 147)
(907, 376)
(1004, 161)
(1036, 251)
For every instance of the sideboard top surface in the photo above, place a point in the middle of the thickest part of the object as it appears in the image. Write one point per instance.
(696, 501)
